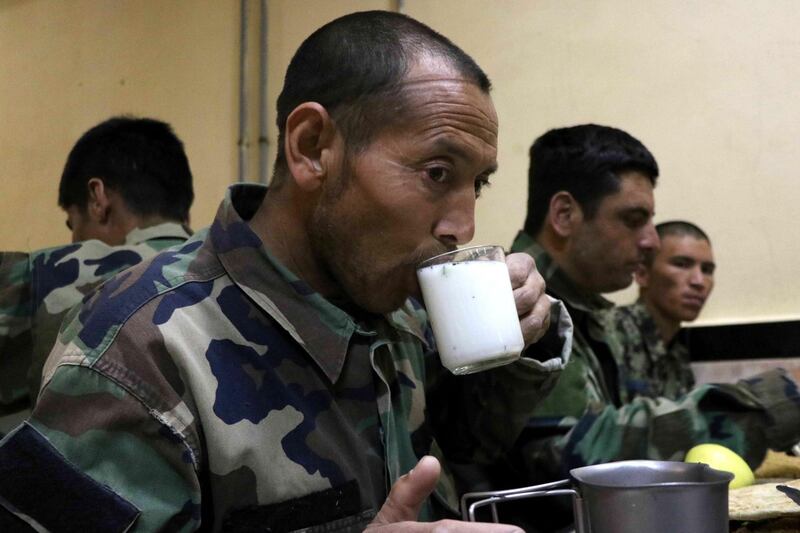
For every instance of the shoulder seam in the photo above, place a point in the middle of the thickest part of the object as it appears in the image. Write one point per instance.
(153, 412)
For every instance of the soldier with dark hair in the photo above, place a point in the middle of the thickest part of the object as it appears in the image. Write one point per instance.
(126, 189)
(589, 228)
(591, 189)
(275, 375)
(122, 174)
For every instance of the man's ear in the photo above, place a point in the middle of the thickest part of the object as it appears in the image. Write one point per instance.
(98, 205)
(564, 214)
(309, 140)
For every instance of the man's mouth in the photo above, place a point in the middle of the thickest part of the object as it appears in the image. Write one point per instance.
(693, 301)
(430, 253)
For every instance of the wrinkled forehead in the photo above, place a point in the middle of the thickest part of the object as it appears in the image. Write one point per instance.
(433, 86)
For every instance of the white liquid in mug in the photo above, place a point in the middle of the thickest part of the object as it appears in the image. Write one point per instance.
(473, 315)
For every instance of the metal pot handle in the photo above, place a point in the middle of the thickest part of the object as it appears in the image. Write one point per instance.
(494, 497)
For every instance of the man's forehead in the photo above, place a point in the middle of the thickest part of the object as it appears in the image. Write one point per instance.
(684, 244)
(437, 106)
(437, 76)
(635, 193)
(431, 66)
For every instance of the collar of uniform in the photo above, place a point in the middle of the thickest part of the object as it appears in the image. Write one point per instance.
(321, 328)
(411, 318)
(678, 342)
(556, 279)
(166, 230)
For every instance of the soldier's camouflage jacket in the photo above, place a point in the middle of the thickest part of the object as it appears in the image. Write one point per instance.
(590, 417)
(210, 386)
(649, 367)
(38, 288)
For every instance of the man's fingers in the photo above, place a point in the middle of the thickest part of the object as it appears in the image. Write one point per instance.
(519, 267)
(527, 295)
(409, 492)
(533, 306)
(536, 323)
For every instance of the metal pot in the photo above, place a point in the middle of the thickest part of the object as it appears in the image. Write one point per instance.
(631, 497)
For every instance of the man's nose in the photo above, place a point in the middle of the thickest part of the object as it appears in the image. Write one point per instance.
(649, 241)
(457, 224)
(697, 278)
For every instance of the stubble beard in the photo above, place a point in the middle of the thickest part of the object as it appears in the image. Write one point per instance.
(338, 244)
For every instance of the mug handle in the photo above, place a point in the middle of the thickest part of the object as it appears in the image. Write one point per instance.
(492, 498)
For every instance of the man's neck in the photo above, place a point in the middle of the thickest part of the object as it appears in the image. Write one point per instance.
(121, 226)
(556, 248)
(280, 222)
(149, 222)
(667, 327)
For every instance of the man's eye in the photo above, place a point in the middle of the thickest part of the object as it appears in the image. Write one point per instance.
(438, 174)
(683, 263)
(635, 221)
(480, 184)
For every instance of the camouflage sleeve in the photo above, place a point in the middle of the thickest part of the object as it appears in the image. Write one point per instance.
(100, 458)
(477, 418)
(16, 313)
(780, 396)
(747, 417)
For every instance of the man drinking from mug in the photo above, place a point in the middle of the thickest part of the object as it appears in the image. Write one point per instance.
(276, 373)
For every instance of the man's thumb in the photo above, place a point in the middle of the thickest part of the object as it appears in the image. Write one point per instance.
(409, 492)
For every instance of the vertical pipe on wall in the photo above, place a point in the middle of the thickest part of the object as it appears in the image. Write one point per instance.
(262, 98)
(399, 5)
(242, 144)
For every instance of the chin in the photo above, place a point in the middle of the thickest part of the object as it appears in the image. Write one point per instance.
(689, 316)
(617, 285)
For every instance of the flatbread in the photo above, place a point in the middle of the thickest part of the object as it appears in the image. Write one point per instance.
(762, 501)
(779, 465)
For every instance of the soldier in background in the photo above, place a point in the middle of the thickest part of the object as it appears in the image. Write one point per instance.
(274, 374)
(674, 284)
(589, 227)
(126, 189)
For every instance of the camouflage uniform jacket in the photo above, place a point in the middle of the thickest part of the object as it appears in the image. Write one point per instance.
(210, 386)
(650, 367)
(38, 288)
(589, 417)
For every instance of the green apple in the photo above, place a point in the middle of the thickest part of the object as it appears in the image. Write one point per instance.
(722, 458)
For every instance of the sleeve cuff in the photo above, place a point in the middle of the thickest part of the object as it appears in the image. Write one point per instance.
(780, 397)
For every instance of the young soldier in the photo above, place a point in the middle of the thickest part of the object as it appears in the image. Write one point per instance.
(674, 284)
(126, 189)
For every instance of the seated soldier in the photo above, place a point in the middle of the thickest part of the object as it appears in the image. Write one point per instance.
(589, 227)
(674, 284)
(275, 374)
(126, 189)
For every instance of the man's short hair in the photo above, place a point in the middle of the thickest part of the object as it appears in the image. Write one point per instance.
(586, 161)
(677, 228)
(680, 228)
(141, 159)
(354, 66)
